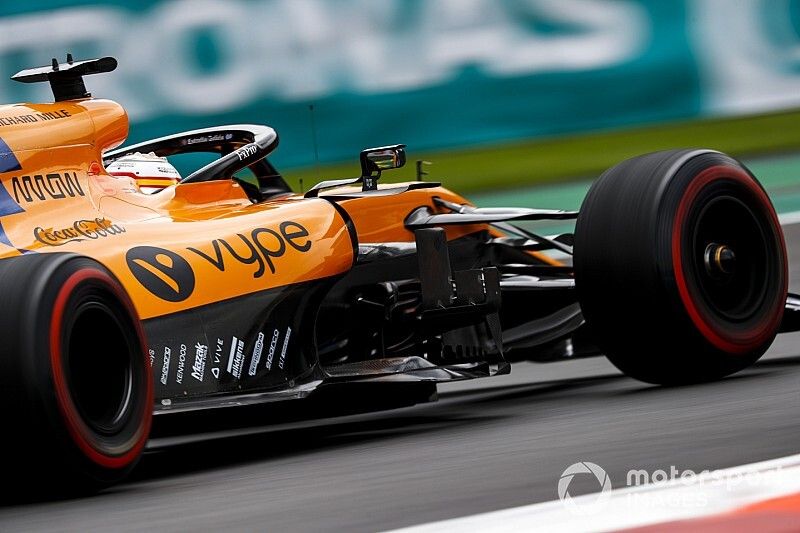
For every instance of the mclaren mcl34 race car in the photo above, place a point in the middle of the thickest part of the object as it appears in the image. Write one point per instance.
(228, 290)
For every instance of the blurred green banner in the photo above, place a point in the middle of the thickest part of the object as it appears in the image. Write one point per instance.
(429, 73)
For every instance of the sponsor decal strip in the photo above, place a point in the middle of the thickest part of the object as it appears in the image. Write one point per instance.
(214, 137)
(32, 118)
(246, 151)
(259, 347)
(236, 358)
(40, 187)
(218, 357)
(273, 344)
(165, 365)
(232, 355)
(181, 364)
(81, 230)
(282, 360)
(199, 366)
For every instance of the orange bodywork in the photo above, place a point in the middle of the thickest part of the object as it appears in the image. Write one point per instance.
(60, 199)
(67, 203)
(380, 219)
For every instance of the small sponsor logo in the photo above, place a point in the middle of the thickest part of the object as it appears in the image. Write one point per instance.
(167, 170)
(214, 137)
(282, 360)
(162, 272)
(246, 151)
(18, 119)
(218, 352)
(273, 344)
(199, 366)
(30, 189)
(152, 354)
(32, 118)
(81, 230)
(236, 358)
(259, 347)
(181, 364)
(165, 365)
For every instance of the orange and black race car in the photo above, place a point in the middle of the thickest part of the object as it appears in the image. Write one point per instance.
(225, 289)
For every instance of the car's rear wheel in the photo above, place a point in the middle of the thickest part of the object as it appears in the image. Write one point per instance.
(680, 266)
(75, 375)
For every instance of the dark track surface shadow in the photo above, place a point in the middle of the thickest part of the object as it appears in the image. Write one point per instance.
(761, 369)
(479, 449)
(501, 395)
(455, 409)
(532, 386)
(224, 451)
(240, 446)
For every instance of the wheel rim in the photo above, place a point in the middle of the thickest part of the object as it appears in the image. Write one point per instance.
(100, 368)
(113, 433)
(729, 258)
(724, 212)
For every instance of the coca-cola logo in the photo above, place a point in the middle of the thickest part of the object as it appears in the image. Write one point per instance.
(81, 230)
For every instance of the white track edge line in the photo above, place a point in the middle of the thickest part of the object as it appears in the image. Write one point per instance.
(637, 505)
(787, 219)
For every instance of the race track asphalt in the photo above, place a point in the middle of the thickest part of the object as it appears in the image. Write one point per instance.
(486, 445)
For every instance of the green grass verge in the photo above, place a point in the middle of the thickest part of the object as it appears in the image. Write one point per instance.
(550, 160)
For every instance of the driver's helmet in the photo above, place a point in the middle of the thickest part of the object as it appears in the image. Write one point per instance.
(151, 172)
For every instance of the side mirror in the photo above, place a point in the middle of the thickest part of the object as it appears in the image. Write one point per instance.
(375, 160)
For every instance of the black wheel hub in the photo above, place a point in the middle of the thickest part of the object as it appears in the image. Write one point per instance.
(100, 362)
(720, 261)
(729, 256)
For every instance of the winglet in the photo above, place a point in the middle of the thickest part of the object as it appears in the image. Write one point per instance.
(66, 79)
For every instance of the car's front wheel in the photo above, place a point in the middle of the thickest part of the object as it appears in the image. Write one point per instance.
(680, 266)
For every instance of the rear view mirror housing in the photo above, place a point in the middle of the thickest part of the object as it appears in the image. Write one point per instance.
(375, 160)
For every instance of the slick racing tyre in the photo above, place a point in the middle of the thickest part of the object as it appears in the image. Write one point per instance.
(74, 374)
(680, 266)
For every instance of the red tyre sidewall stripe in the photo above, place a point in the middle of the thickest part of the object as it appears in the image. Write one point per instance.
(750, 340)
(76, 427)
